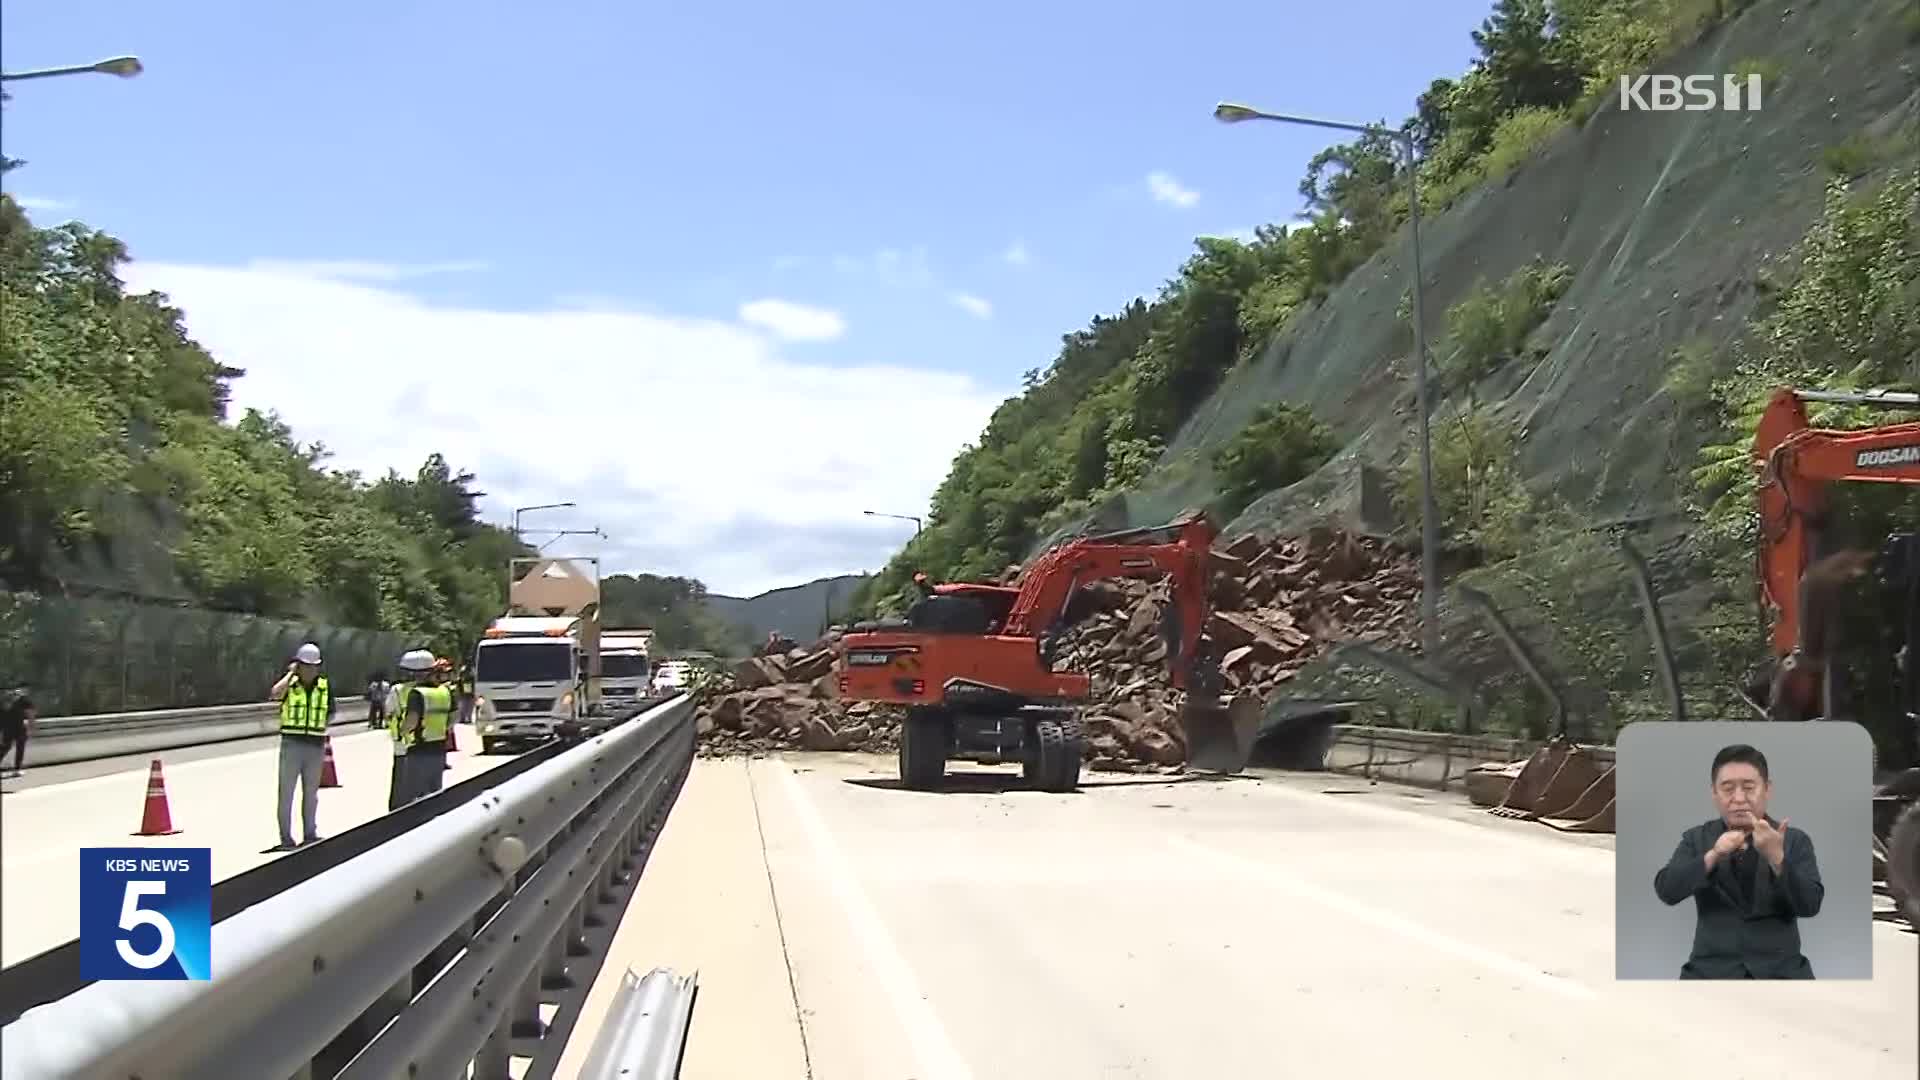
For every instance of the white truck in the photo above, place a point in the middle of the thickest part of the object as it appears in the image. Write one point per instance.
(536, 671)
(626, 664)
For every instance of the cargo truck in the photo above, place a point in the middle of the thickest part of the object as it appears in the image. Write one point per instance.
(626, 664)
(536, 671)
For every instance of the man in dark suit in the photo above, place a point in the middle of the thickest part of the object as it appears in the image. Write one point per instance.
(1751, 879)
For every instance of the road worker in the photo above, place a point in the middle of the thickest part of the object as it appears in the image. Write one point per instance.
(426, 714)
(444, 672)
(414, 667)
(306, 711)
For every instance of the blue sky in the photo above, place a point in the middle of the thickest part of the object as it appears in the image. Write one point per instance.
(705, 223)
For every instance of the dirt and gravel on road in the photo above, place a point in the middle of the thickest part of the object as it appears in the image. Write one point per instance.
(1278, 604)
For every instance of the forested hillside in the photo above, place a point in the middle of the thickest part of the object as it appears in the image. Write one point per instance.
(1609, 298)
(125, 481)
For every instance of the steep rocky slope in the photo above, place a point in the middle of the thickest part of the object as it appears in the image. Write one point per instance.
(1664, 219)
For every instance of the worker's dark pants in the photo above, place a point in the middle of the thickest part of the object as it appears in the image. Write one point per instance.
(397, 795)
(424, 769)
(14, 737)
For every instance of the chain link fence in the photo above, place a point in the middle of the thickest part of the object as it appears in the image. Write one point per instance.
(1574, 615)
(82, 655)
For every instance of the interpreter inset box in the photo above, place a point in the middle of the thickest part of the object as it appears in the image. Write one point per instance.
(1743, 850)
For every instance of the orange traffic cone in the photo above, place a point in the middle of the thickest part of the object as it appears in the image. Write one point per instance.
(328, 778)
(156, 819)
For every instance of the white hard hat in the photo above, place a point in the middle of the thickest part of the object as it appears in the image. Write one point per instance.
(308, 654)
(416, 660)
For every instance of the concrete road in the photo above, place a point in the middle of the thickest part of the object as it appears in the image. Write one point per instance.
(1280, 925)
(223, 801)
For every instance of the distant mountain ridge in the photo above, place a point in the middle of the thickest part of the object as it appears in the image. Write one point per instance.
(797, 611)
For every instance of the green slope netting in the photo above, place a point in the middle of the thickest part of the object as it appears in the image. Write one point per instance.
(90, 655)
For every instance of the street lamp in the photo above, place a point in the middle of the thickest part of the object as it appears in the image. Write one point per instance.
(594, 532)
(125, 67)
(529, 509)
(897, 517)
(1229, 113)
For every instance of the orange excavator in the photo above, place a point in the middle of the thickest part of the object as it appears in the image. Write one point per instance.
(973, 663)
(1802, 583)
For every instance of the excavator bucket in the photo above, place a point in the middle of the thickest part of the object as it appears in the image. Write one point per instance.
(1220, 731)
(1566, 781)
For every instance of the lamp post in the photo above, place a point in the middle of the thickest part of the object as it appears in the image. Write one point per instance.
(897, 517)
(530, 509)
(1228, 113)
(126, 67)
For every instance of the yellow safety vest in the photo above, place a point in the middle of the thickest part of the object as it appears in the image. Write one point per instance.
(401, 734)
(438, 714)
(304, 711)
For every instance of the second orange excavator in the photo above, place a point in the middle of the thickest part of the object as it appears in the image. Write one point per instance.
(973, 663)
(1804, 574)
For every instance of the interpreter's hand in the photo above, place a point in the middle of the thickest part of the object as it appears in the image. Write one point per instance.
(1730, 841)
(1770, 842)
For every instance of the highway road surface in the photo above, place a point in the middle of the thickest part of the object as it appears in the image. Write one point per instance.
(1150, 927)
(220, 797)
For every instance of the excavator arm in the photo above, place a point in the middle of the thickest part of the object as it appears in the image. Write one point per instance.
(1178, 551)
(1797, 463)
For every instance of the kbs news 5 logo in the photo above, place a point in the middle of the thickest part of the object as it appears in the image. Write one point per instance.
(146, 913)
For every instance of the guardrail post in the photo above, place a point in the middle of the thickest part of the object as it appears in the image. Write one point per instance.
(525, 1012)
(495, 1061)
(576, 932)
(554, 975)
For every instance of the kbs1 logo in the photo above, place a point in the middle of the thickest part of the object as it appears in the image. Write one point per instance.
(1694, 93)
(146, 913)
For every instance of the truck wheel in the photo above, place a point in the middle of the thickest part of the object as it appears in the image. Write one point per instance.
(923, 750)
(1058, 755)
(1903, 863)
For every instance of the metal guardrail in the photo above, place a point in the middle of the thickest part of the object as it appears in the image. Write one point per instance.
(645, 1034)
(1434, 759)
(58, 740)
(426, 954)
(51, 975)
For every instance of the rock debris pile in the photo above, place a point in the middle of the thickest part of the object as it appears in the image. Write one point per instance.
(1277, 604)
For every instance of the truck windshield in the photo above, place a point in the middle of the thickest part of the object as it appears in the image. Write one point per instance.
(623, 666)
(524, 662)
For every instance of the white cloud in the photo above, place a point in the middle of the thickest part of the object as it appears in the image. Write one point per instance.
(976, 306)
(793, 322)
(1168, 190)
(695, 444)
(1017, 254)
(33, 202)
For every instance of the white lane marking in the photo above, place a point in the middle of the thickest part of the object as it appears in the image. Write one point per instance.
(167, 770)
(17, 799)
(1388, 921)
(1582, 857)
(939, 1059)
